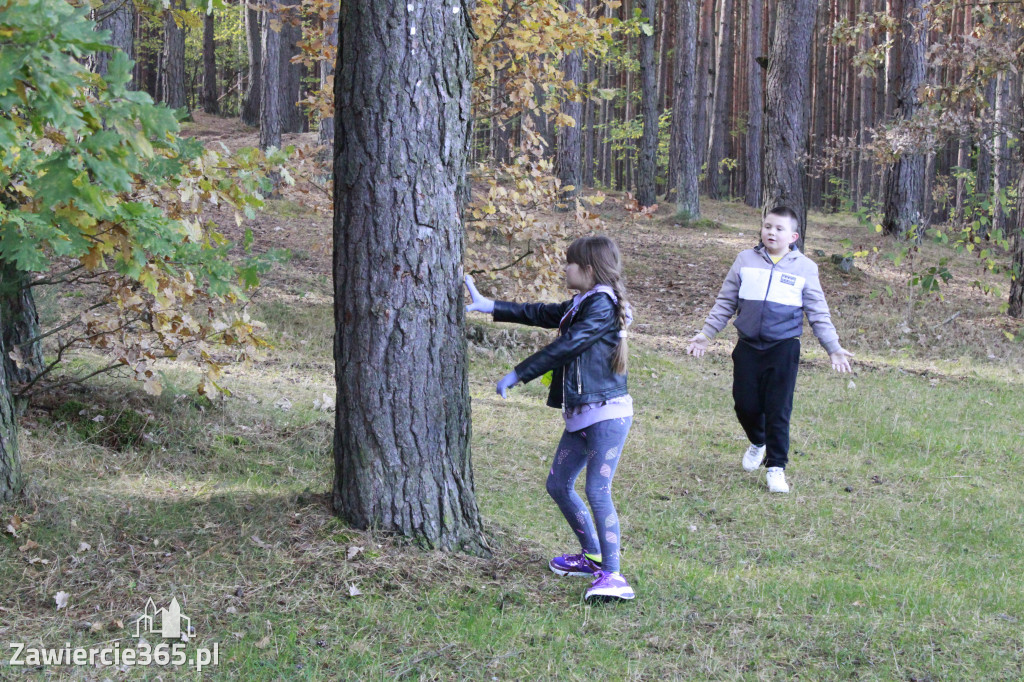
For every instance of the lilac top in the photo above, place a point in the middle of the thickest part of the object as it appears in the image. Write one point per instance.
(582, 416)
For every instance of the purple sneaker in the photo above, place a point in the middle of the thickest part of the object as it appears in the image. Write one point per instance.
(574, 564)
(610, 585)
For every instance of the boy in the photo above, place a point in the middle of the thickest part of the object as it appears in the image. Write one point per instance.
(770, 288)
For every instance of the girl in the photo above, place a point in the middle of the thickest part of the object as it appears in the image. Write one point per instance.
(588, 366)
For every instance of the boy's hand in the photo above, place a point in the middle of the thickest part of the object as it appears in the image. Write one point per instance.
(698, 345)
(841, 360)
(507, 382)
(480, 303)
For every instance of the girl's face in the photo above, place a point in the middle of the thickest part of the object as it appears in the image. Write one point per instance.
(578, 278)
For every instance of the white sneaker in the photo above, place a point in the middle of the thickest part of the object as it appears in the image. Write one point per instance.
(777, 480)
(753, 457)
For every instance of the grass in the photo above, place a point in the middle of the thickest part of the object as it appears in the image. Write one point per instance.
(897, 556)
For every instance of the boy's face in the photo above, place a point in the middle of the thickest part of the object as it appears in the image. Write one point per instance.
(777, 233)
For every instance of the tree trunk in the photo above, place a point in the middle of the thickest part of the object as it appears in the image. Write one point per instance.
(904, 187)
(1016, 301)
(209, 103)
(293, 118)
(719, 125)
(647, 166)
(785, 130)
(1002, 157)
(173, 89)
(254, 47)
(270, 75)
(402, 435)
(570, 138)
(686, 99)
(119, 18)
(10, 465)
(20, 328)
(705, 61)
(755, 109)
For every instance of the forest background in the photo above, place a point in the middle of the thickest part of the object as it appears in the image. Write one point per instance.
(893, 126)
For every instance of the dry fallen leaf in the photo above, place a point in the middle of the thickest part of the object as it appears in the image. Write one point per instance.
(263, 643)
(31, 544)
(353, 591)
(353, 552)
(62, 599)
(84, 547)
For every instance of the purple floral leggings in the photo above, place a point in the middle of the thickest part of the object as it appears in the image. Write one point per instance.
(598, 448)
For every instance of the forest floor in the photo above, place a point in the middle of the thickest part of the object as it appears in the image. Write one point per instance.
(896, 556)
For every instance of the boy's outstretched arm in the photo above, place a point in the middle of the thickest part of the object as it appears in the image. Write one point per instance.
(723, 310)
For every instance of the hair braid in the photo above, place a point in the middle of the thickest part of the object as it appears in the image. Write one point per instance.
(620, 358)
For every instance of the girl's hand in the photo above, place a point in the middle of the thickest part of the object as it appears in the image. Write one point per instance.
(841, 360)
(480, 304)
(507, 382)
(698, 345)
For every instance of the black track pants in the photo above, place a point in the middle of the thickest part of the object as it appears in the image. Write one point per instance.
(762, 388)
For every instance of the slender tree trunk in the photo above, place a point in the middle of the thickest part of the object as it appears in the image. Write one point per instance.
(705, 61)
(687, 199)
(1002, 157)
(173, 66)
(646, 168)
(785, 130)
(570, 138)
(867, 113)
(402, 435)
(209, 103)
(755, 108)
(904, 190)
(270, 106)
(719, 128)
(293, 118)
(254, 47)
(119, 17)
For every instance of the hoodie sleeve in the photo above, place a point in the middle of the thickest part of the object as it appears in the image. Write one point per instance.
(725, 304)
(818, 313)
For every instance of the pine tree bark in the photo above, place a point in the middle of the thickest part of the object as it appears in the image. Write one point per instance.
(904, 188)
(647, 165)
(687, 196)
(570, 138)
(251, 104)
(719, 126)
(10, 464)
(293, 118)
(705, 68)
(270, 75)
(173, 73)
(402, 436)
(118, 17)
(785, 129)
(209, 101)
(755, 109)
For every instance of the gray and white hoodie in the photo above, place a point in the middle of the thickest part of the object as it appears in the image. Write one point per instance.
(770, 300)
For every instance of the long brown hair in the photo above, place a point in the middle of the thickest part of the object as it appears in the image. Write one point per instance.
(601, 255)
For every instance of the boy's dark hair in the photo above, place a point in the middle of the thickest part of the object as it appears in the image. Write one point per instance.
(786, 212)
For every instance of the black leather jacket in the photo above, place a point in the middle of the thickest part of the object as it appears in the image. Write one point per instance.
(581, 355)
